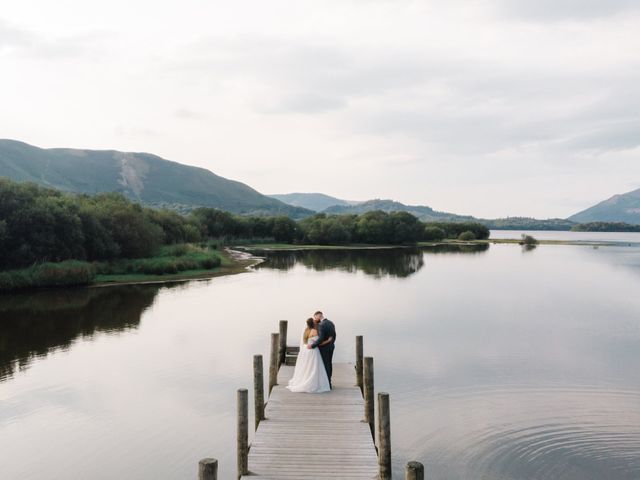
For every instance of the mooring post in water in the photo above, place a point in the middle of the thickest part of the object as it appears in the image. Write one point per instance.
(283, 341)
(384, 437)
(243, 432)
(273, 364)
(414, 471)
(258, 388)
(208, 469)
(359, 353)
(368, 394)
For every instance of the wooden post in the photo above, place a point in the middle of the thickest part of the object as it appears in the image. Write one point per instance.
(384, 437)
(368, 394)
(414, 471)
(283, 341)
(243, 432)
(273, 365)
(258, 388)
(208, 469)
(359, 353)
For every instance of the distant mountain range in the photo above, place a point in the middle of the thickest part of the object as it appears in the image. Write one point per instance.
(424, 213)
(146, 178)
(155, 181)
(312, 201)
(619, 208)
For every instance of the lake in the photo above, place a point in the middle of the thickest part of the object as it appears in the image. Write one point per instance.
(502, 363)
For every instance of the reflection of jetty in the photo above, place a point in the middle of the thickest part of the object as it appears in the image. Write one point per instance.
(327, 435)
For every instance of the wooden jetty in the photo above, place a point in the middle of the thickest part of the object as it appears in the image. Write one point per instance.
(329, 435)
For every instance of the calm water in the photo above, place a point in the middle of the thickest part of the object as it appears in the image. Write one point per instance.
(501, 363)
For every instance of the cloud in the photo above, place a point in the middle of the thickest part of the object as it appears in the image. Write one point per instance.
(23, 42)
(188, 114)
(545, 10)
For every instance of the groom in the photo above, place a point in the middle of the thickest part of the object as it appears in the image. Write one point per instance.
(325, 341)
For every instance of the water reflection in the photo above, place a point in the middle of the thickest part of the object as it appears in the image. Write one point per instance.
(34, 324)
(391, 262)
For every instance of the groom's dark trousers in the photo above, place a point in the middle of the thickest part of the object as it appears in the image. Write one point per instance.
(326, 353)
(327, 329)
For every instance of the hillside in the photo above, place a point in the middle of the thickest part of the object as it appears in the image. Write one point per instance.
(619, 208)
(312, 201)
(428, 214)
(422, 212)
(143, 177)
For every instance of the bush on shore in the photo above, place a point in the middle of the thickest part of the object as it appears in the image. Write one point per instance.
(61, 274)
(467, 236)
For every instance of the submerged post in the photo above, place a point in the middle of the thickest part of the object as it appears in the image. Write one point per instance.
(258, 389)
(384, 437)
(243, 432)
(208, 469)
(283, 341)
(359, 353)
(414, 471)
(368, 394)
(273, 363)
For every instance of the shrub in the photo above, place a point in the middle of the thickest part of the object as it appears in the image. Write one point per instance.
(467, 236)
(528, 240)
(67, 273)
(433, 233)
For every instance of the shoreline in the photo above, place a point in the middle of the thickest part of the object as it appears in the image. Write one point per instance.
(235, 262)
(275, 247)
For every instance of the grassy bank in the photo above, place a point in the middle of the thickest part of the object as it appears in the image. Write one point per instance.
(294, 247)
(173, 262)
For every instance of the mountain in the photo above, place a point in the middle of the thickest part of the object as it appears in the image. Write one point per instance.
(144, 177)
(422, 212)
(428, 214)
(312, 201)
(619, 208)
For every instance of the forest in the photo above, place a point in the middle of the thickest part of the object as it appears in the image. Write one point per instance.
(41, 225)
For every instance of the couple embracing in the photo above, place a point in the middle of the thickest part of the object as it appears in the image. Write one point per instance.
(314, 364)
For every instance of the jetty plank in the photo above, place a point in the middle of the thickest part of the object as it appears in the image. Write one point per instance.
(314, 436)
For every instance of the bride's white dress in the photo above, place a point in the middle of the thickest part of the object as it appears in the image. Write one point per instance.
(309, 375)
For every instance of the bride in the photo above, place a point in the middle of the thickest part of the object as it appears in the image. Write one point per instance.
(309, 375)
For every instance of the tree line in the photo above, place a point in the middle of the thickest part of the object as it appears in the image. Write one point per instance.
(39, 224)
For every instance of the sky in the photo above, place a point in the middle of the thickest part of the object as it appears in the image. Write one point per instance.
(485, 107)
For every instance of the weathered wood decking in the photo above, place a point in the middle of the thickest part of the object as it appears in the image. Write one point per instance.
(314, 436)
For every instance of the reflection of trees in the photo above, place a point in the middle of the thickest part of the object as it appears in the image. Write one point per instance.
(457, 248)
(32, 325)
(394, 262)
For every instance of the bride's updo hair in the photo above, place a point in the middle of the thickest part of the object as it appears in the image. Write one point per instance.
(307, 331)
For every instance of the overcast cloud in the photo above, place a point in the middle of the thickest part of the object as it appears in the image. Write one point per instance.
(483, 107)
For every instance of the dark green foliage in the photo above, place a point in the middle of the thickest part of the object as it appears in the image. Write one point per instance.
(528, 240)
(375, 227)
(61, 274)
(467, 236)
(601, 227)
(453, 230)
(433, 234)
(43, 225)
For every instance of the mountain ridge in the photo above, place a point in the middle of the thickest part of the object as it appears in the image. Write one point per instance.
(622, 207)
(140, 176)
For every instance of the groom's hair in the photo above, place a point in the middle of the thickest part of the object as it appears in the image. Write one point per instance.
(317, 313)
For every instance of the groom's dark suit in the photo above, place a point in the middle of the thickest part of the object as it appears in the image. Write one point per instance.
(326, 329)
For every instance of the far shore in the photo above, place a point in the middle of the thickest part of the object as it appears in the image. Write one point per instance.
(267, 247)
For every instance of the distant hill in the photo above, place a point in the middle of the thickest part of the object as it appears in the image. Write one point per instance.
(422, 212)
(428, 214)
(619, 208)
(146, 178)
(312, 201)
